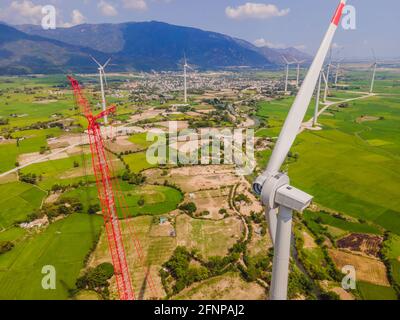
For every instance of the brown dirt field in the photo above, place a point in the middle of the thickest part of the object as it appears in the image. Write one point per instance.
(226, 287)
(53, 197)
(180, 124)
(210, 200)
(365, 243)
(366, 119)
(122, 144)
(68, 139)
(26, 158)
(148, 114)
(309, 242)
(195, 178)
(367, 269)
(206, 235)
(12, 177)
(45, 101)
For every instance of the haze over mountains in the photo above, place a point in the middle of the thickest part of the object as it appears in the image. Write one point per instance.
(134, 46)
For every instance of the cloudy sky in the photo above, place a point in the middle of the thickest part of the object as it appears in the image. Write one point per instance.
(277, 23)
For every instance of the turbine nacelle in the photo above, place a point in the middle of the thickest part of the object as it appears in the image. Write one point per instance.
(275, 191)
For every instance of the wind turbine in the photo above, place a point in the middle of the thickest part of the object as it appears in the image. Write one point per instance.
(273, 185)
(374, 66)
(103, 76)
(185, 66)
(328, 72)
(318, 94)
(338, 70)
(287, 72)
(298, 71)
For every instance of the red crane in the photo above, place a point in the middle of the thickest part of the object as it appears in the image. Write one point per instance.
(102, 172)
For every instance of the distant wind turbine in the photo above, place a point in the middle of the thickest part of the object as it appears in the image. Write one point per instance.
(338, 66)
(374, 66)
(103, 78)
(318, 94)
(328, 73)
(298, 71)
(287, 72)
(186, 66)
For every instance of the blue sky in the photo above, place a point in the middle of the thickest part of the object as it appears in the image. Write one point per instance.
(278, 23)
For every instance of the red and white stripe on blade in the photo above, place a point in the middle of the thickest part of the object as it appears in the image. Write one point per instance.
(299, 108)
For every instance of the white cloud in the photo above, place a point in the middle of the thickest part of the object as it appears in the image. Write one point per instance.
(135, 4)
(20, 12)
(107, 9)
(265, 43)
(300, 47)
(256, 11)
(76, 18)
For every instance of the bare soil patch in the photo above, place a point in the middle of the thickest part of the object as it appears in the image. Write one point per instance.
(366, 119)
(309, 242)
(226, 287)
(367, 269)
(365, 243)
(195, 178)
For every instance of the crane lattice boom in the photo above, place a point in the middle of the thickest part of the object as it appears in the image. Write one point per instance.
(103, 178)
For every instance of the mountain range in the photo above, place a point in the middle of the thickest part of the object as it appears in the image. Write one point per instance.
(133, 46)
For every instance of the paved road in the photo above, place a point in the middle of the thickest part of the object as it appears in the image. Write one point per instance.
(309, 124)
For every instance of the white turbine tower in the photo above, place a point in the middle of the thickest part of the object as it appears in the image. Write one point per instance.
(328, 73)
(374, 66)
(185, 65)
(287, 72)
(273, 185)
(298, 71)
(103, 78)
(318, 94)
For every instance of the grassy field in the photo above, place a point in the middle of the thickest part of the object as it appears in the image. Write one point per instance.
(392, 251)
(157, 199)
(329, 220)
(140, 140)
(32, 141)
(63, 245)
(64, 172)
(137, 162)
(369, 291)
(18, 201)
(345, 165)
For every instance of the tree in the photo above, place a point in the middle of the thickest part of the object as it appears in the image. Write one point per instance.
(141, 202)
(6, 246)
(28, 178)
(188, 208)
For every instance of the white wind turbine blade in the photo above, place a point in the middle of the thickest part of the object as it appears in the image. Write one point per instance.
(299, 107)
(100, 66)
(286, 60)
(106, 64)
